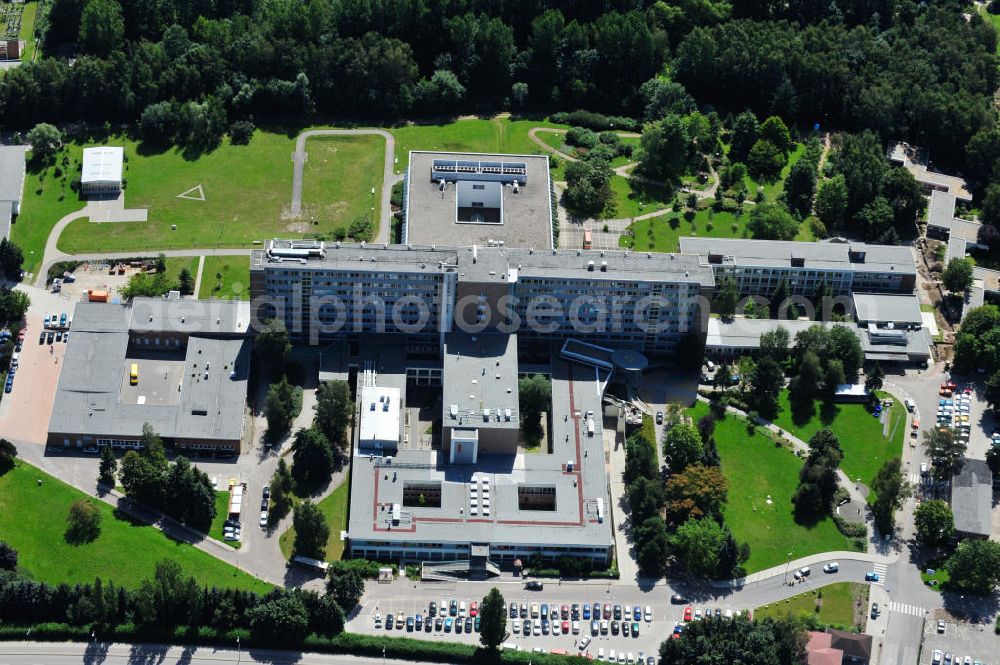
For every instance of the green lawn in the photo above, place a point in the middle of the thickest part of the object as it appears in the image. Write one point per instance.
(662, 234)
(33, 521)
(832, 604)
(334, 508)
(46, 199)
(28, 30)
(499, 135)
(339, 177)
(221, 515)
(246, 190)
(992, 19)
(757, 469)
(860, 434)
(235, 282)
(632, 198)
(177, 263)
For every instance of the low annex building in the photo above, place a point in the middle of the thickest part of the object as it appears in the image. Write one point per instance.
(11, 185)
(180, 365)
(102, 170)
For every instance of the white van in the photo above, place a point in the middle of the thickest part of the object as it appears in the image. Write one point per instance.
(910, 404)
(710, 365)
(600, 654)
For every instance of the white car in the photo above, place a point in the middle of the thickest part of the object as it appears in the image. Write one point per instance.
(576, 627)
(600, 654)
(583, 643)
(936, 658)
(555, 628)
(378, 619)
(263, 519)
(729, 614)
(517, 625)
(831, 567)
(649, 613)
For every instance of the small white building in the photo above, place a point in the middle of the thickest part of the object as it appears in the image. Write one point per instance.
(102, 170)
(380, 409)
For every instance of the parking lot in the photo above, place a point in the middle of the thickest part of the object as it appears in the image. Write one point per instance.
(963, 642)
(25, 411)
(528, 630)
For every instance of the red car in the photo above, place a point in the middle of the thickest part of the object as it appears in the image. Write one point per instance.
(473, 609)
(565, 627)
(688, 613)
(607, 610)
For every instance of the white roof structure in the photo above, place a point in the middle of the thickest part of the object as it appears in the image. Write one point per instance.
(379, 417)
(102, 164)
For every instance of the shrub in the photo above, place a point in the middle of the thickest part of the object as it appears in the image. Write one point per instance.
(240, 132)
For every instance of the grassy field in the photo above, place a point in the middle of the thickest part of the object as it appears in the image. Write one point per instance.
(334, 508)
(662, 234)
(500, 135)
(177, 263)
(33, 521)
(757, 469)
(235, 281)
(860, 434)
(632, 198)
(832, 604)
(339, 177)
(28, 31)
(221, 515)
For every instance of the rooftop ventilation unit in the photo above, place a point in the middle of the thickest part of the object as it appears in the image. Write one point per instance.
(590, 266)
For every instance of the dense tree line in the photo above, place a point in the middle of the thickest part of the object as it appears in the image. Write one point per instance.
(916, 70)
(191, 69)
(166, 601)
(766, 642)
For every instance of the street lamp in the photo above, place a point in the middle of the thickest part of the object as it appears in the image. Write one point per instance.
(788, 561)
(237, 649)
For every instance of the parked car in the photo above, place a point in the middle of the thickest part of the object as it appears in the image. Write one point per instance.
(940, 626)
(534, 585)
(874, 610)
(263, 519)
(677, 599)
(831, 567)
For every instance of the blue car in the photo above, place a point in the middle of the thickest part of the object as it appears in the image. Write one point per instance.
(545, 610)
(637, 614)
(596, 611)
(586, 612)
(871, 576)
(447, 625)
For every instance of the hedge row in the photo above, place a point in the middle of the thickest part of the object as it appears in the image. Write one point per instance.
(350, 643)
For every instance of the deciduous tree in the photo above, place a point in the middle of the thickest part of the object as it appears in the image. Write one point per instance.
(934, 521)
(311, 531)
(493, 619)
(681, 446)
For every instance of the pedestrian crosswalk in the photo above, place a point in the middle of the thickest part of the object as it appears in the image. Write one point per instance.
(880, 568)
(914, 478)
(903, 608)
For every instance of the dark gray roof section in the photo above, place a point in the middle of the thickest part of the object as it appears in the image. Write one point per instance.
(813, 255)
(885, 308)
(972, 498)
(480, 373)
(89, 394)
(431, 211)
(11, 184)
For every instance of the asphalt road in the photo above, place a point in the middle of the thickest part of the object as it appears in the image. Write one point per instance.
(59, 653)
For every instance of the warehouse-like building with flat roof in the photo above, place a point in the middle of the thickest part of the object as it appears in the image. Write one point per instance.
(102, 170)
(180, 365)
(759, 266)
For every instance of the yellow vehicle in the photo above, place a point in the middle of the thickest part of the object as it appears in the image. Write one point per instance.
(133, 377)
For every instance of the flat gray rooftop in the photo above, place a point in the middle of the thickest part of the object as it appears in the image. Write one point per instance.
(578, 492)
(885, 308)
(431, 212)
(810, 255)
(972, 497)
(744, 335)
(501, 263)
(174, 395)
(480, 373)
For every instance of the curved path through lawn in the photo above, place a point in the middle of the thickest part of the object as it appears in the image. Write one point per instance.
(388, 177)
